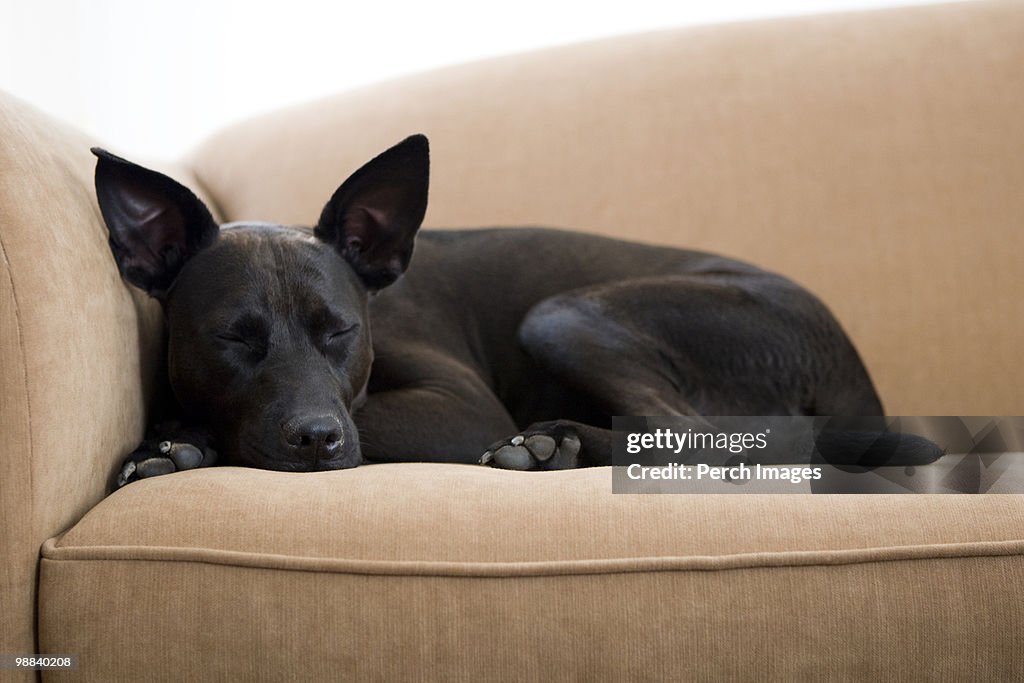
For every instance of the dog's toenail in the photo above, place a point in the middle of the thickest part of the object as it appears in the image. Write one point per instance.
(518, 440)
(127, 471)
(486, 457)
(165, 447)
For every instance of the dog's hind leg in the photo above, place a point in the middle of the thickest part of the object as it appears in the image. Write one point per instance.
(721, 344)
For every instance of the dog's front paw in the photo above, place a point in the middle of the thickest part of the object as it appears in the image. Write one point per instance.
(153, 458)
(544, 446)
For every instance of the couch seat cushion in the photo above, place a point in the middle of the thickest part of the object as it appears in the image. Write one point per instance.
(466, 572)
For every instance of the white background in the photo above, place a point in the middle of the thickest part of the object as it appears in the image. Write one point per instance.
(153, 77)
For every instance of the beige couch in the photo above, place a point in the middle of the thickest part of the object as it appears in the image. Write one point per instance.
(877, 158)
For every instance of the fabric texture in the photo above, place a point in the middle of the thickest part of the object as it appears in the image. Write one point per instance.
(71, 344)
(77, 351)
(448, 572)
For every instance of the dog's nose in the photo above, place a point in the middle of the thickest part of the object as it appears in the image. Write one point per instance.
(314, 438)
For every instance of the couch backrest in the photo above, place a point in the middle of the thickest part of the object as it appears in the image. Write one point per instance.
(876, 157)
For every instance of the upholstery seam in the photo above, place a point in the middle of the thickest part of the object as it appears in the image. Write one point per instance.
(547, 568)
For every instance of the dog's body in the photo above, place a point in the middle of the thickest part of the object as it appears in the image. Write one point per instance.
(513, 347)
(527, 331)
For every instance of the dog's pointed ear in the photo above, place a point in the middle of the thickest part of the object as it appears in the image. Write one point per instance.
(373, 217)
(156, 224)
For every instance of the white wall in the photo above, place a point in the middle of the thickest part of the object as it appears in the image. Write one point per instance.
(152, 77)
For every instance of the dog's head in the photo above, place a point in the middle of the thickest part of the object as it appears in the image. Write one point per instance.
(269, 340)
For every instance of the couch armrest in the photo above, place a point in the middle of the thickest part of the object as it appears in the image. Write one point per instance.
(77, 352)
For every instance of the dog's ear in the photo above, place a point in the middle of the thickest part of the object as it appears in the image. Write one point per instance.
(156, 224)
(373, 217)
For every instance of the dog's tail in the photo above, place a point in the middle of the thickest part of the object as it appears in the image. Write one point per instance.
(868, 448)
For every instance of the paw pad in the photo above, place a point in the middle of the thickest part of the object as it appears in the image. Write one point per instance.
(185, 456)
(152, 459)
(536, 451)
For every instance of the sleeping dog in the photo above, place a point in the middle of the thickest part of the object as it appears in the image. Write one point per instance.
(315, 348)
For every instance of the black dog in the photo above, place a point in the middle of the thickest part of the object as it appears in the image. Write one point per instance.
(511, 347)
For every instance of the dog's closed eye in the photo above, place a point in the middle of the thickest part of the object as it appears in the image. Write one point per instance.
(330, 327)
(247, 335)
(339, 334)
(246, 343)
(233, 339)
